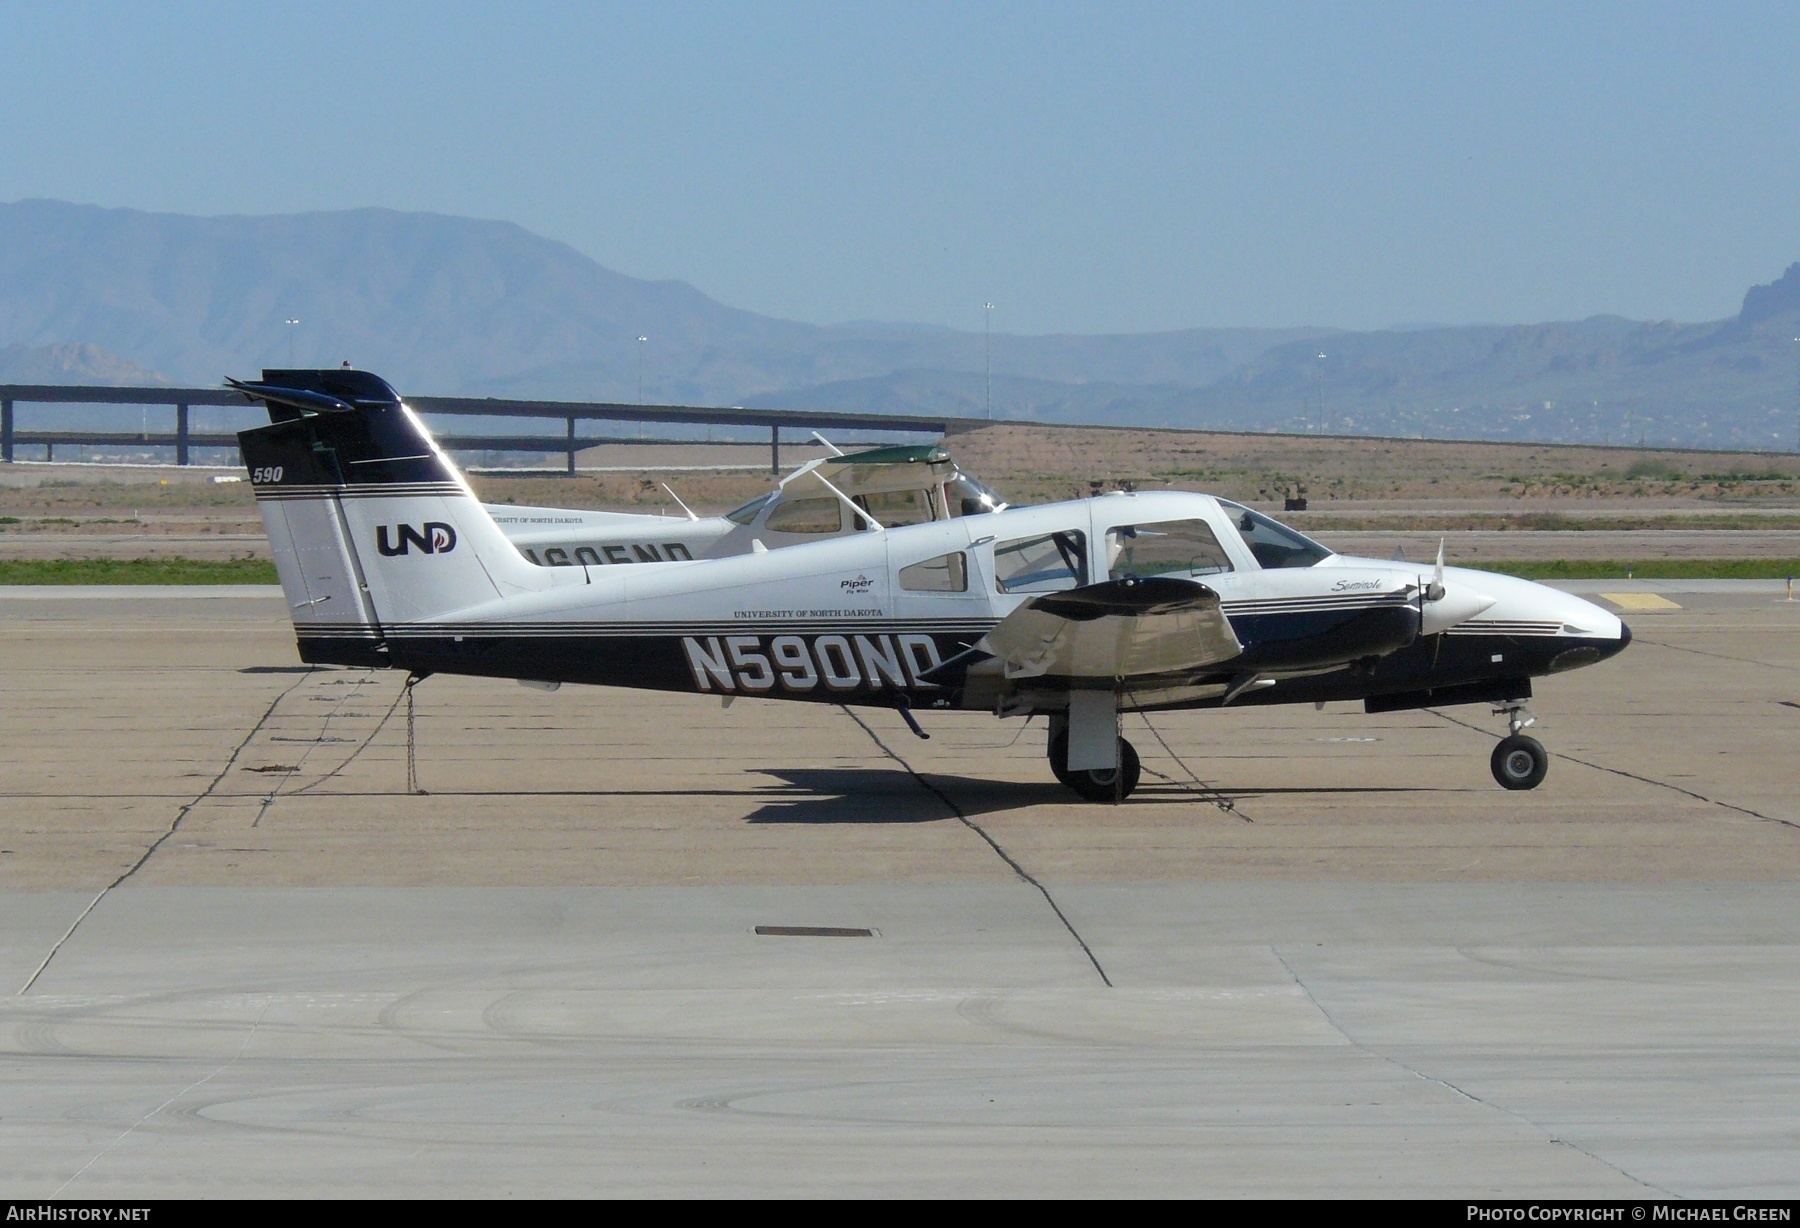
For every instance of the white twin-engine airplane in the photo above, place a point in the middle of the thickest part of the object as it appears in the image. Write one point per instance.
(1079, 610)
(899, 486)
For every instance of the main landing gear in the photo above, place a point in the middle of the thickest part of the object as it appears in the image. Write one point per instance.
(1095, 784)
(1519, 762)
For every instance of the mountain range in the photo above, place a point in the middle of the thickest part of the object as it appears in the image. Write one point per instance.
(456, 306)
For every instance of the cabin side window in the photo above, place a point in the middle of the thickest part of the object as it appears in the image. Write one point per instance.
(1047, 564)
(1170, 548)
(894, 508)
(947, 573)
(806, 516)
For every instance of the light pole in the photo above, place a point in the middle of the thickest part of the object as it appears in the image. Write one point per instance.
(1797, 405)
(640, 400)
(291, 324)
(1321, 393)
(987, 355)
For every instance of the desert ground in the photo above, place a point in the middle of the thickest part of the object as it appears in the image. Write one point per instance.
(1371, 497)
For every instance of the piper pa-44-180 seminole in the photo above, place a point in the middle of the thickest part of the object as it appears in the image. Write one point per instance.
(1078, 610)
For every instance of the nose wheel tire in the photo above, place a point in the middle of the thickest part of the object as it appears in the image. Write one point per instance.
(1520, 762)
(1096, 784)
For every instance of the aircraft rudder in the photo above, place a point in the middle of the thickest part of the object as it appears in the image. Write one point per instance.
(372, 509)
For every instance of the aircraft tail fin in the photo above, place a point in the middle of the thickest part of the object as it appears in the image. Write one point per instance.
(371, 525)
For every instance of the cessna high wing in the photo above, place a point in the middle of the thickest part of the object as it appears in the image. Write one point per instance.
(1078, 611)
(828, 497)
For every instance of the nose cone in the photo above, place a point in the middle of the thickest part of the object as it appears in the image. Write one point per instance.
(1583, 618)
(1587, 633)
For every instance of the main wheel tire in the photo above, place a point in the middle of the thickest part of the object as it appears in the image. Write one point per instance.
(1520, 762)
(1103, 785)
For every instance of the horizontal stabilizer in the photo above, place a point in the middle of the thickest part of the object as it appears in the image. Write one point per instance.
(291, 394)
(297, 398)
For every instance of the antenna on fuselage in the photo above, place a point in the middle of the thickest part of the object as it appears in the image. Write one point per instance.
(684, 507)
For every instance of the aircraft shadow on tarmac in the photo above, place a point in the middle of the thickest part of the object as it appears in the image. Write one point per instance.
(885, 795)
(881, 795)
(858, 795)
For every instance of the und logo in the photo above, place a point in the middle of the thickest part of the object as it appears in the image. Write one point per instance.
(435, 537)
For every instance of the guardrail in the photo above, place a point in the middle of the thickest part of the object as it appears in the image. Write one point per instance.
(569, 412)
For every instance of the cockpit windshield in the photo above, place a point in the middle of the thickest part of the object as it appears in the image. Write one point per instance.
(1273, 544)
(748, 512)
(968, 497)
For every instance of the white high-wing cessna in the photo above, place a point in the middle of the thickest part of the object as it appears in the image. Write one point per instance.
(1078, 610)
(827, 497)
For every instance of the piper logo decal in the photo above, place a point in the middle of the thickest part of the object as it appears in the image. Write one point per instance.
(856, 587)
(434, 537)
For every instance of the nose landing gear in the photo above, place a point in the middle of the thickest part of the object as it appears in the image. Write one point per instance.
(1519, 761)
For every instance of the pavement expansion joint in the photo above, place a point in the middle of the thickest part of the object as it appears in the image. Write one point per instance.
(1701, 652)
(1549, 1134)
(196, 1084)
(1642, 779)
(159, 841)
(992, 843)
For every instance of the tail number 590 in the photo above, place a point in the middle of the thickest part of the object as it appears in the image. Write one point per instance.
(266, 474)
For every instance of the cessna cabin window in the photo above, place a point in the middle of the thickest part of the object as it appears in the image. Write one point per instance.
(1183, 548)
(806, 516)
(1047, 564)
(1274, 545)
(967, 497)
(893, 508)
(747, 513)
(947, 573)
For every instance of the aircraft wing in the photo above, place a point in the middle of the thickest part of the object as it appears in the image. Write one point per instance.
(1128, 628)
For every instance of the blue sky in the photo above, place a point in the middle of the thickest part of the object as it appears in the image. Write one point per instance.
(1087, 167)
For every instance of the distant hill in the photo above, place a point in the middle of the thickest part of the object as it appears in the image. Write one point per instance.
(965, 394)
(453, 305)
(458, 306)
(1729, 383)
(71, 364)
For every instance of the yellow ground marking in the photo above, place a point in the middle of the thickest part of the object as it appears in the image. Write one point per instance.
(1639, 601)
